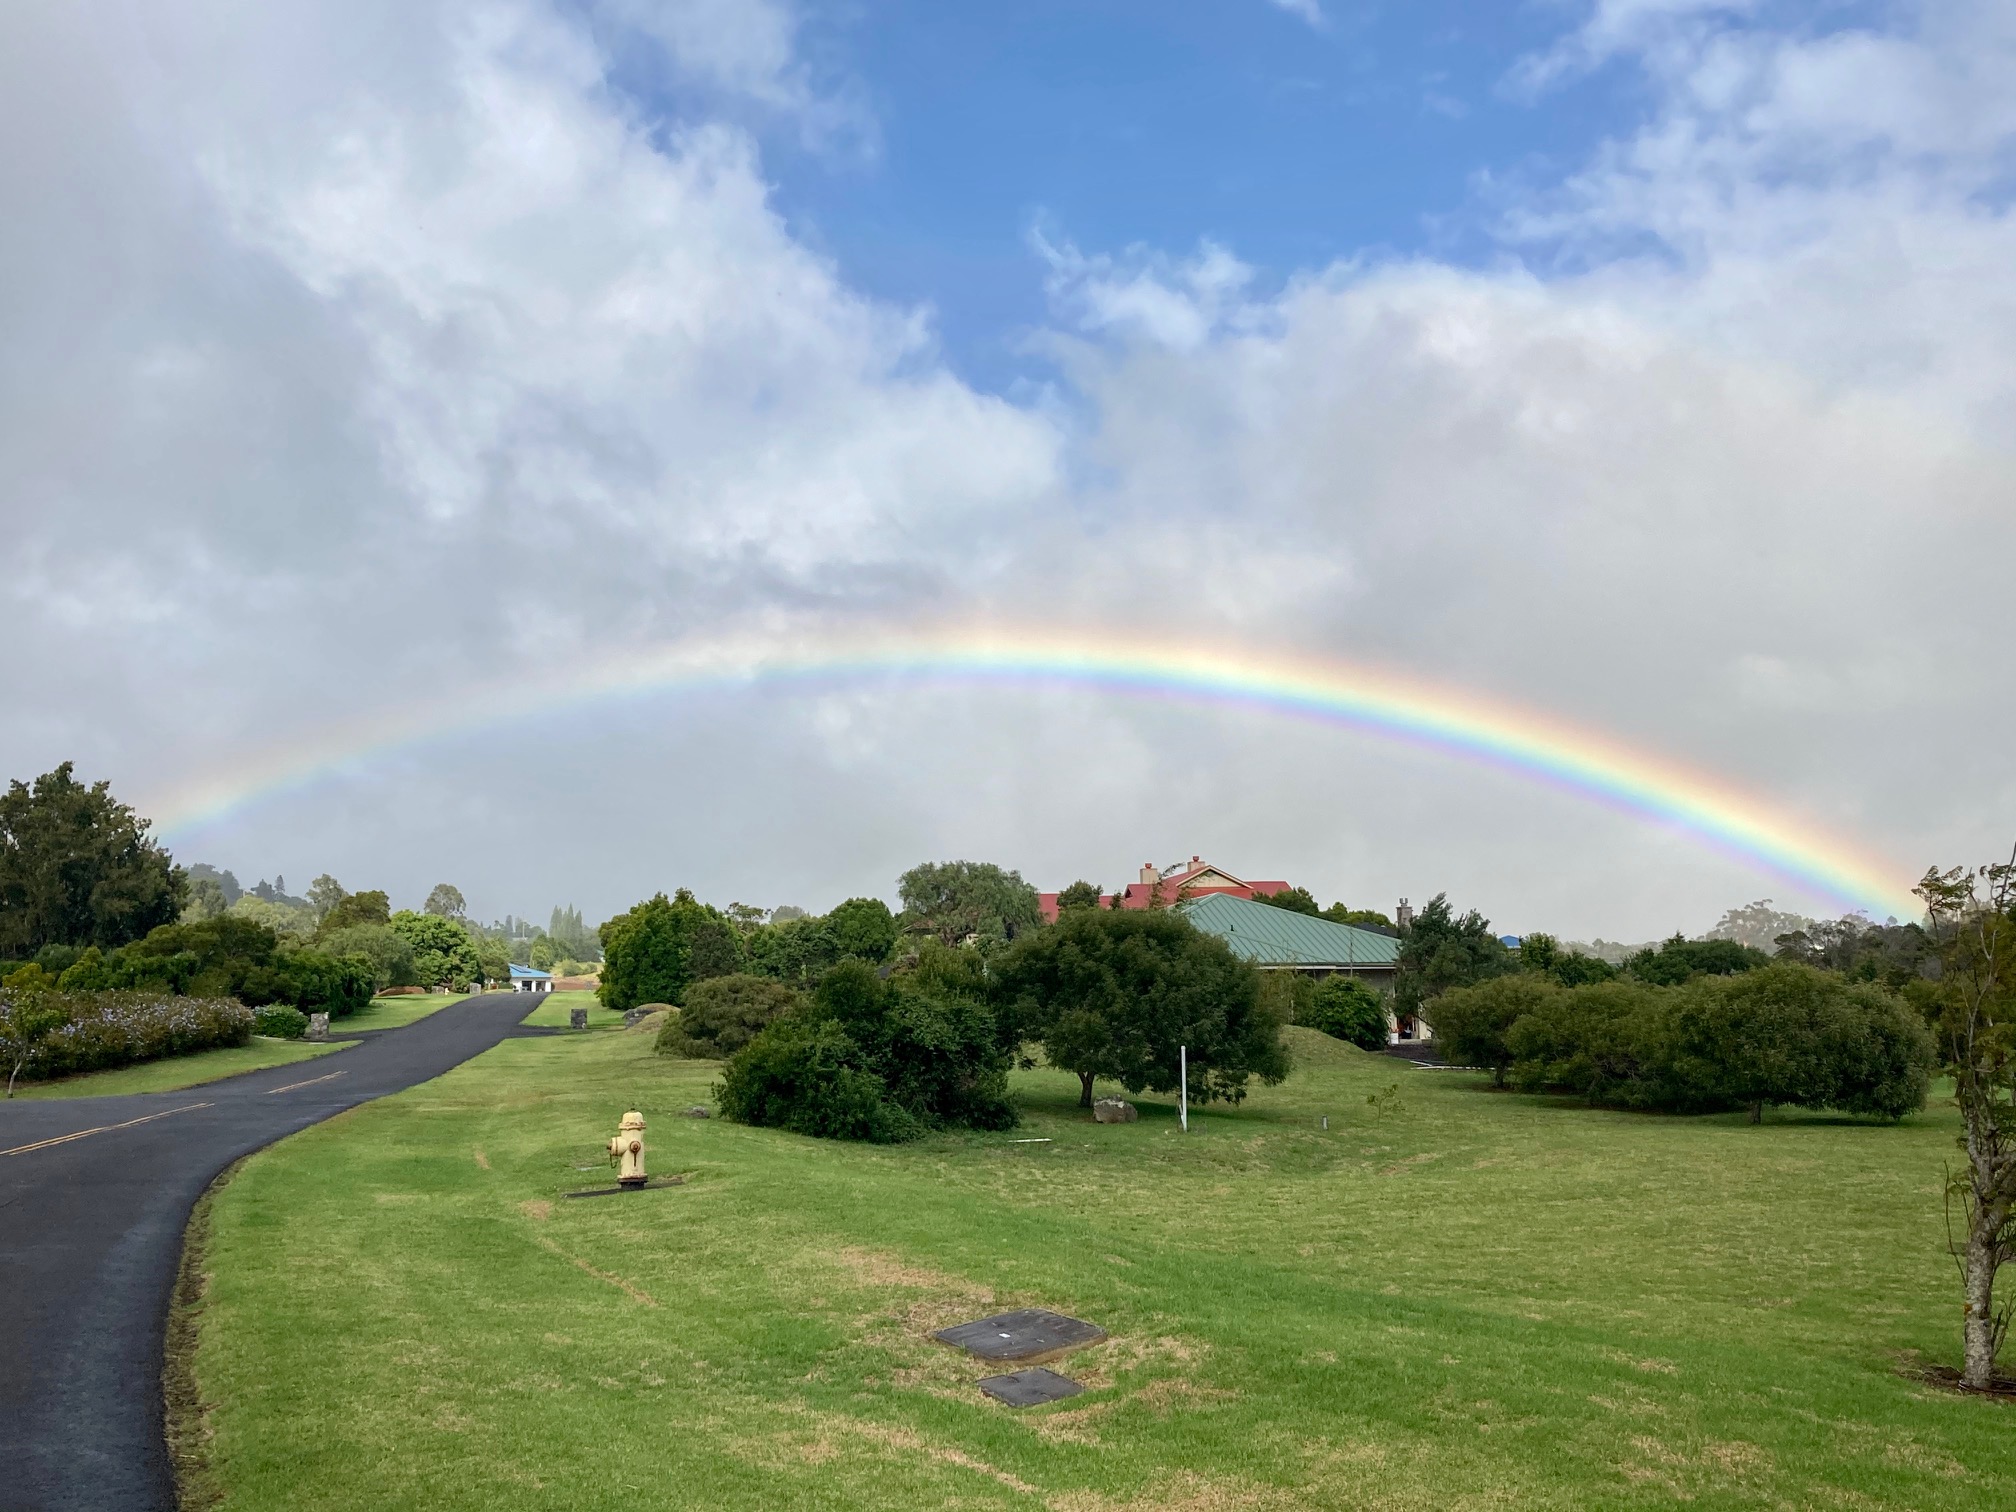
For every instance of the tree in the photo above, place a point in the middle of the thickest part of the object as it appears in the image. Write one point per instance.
(793, 950)
(1757, 925)
(1080, 894)
(1681, 960)
(1115, 994)
(872, 1059)
(443, 952)
(1443, 951)
(714, 950)
(1471, 1022)
(955, 900)
(1973, 1013)
(723, 1014)
(1294, 899)
(225, 882)
(493, 961)
(26, 1018)
(77, 868)
(647, 953)
(1364, 918)
(390, 954)
(324, 893)
(1345, 1008)
(354, 909)
(445, 902)
(863, 928)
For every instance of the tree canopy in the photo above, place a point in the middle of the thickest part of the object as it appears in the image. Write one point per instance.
(1114, 994)
(77, 868)
(952, 900)
(443, 951)
(1443, 951)
(648, 954)
(445, 902)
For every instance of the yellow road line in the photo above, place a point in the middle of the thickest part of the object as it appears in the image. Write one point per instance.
(44, 1144)
(309, 1083)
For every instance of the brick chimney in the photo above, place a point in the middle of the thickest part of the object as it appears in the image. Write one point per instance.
(1149, 873)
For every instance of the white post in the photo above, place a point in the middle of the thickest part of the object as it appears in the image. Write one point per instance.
(1183, 1097)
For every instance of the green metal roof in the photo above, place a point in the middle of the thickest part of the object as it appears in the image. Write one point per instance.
(1270, 936)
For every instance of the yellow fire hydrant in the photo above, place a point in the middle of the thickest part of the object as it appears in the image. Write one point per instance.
(626, 1150)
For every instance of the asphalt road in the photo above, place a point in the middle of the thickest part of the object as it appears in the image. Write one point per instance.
(94, 1196)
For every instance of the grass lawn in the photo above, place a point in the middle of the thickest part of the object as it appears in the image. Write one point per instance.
(179, 1070)
(1450, 1299)
(394, 1012)
(554, 1007)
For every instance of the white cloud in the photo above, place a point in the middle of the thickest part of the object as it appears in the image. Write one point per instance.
(1310, 11)
(372, 351)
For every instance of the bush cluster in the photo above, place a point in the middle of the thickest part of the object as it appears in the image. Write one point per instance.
(1345, 1008)
(722, 1014)
(874, 1059)
(278, 1021)
(1784, 1033)
(101, 1030)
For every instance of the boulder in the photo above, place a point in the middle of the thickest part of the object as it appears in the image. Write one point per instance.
(699, 1112)
(1114, 1110)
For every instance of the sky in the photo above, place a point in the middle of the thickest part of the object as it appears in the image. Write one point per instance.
(379, 380)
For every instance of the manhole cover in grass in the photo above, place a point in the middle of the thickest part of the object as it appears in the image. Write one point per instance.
(1030, 1388)
(1021, 1335)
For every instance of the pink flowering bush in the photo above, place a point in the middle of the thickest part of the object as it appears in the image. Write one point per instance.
(100, 1030)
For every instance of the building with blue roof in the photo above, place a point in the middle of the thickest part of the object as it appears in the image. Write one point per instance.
(526, 979)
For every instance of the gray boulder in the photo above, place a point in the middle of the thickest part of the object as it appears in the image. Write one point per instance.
(1114, 1110)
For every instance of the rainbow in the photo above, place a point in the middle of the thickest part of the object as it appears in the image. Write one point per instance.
(1335, 693)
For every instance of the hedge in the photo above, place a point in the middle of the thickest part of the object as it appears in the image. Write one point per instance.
(101, 1030)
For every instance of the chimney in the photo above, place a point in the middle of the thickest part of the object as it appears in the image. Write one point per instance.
(1149, 873)
(1403, 916)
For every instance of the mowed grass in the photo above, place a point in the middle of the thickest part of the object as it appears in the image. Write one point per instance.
(394, 1012)
(554, 1011)
(178, 1071)
(1452, 1298)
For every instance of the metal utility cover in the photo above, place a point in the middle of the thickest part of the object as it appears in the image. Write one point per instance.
(1030, 1388)
(1025, 1334)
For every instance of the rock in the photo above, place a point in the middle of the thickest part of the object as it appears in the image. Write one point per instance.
(318, 1026)
(577, 1018)
(699, 1112)
(1114, 1110)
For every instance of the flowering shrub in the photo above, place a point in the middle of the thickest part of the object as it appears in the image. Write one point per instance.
(104, 1029)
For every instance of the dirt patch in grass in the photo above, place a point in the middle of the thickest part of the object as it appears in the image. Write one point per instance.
(538, 1209)
(482, 1159)
(1946, 1378)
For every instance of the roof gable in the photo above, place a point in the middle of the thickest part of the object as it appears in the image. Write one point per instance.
(1270, 936)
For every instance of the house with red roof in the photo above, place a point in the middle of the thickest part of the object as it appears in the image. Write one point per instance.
(1170, 885)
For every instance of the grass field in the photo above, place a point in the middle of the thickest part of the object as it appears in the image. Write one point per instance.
(395, 1012)
(1450, 1299)
(554, 1007)
(178, 1071)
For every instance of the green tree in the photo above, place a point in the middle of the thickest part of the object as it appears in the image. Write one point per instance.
(1115, 994)
(863, 928)
(353, 909)
(1681, 960)
(1443, 951)
(647, 953)
(1365, 918)
(1080, 894)
(1972, 1007)
(26, 1020)
(77, 868)
(205, 900)
(1294, 899)
(389, 953)
(799, 950)
(953, 900)
(1471, 1022)
(1347, 1009)
(493, 961)
(443, 952)
(714, 950)
(445, 902)
(324, 893)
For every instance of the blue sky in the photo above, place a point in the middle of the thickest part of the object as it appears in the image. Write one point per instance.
(1115, 123)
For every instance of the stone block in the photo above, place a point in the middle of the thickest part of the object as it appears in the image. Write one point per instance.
(1114, 1110)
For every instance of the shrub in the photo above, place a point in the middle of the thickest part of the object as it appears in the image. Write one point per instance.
(278, 1021)
(1345, 1008)
(722, 1014)
(106, 1029)
(1470, 1022)
(872, 1059)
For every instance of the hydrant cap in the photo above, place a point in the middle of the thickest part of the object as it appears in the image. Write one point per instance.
(633, 1120)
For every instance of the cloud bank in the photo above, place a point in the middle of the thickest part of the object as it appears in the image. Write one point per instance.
(368, 354)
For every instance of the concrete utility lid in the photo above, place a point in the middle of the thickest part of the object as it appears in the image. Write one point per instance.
(1025, 1334)
(1030, 1388)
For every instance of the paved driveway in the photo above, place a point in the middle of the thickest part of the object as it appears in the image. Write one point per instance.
(94, 1195)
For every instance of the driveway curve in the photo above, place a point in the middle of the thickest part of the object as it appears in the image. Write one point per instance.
(95, 1193)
